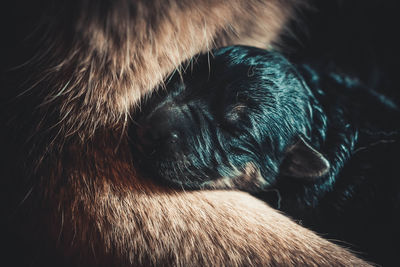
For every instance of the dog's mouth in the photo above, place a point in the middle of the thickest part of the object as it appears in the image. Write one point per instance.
(182, 169)
(174, 170)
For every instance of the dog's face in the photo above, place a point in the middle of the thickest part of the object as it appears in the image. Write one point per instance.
(242, 112)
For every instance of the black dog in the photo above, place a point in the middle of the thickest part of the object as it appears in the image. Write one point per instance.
(217, 121)
(324, 151)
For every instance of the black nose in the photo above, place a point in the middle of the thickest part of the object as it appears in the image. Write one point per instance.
(157, 133)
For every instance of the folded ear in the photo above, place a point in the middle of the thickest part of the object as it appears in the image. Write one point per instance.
(304, 162)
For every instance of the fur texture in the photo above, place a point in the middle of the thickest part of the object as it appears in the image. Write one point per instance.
(72, 196)
(304, 138)
(243, 106)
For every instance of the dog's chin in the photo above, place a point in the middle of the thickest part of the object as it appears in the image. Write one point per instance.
(181, 181)
(187, 181)
(249, 179)
(168, 176)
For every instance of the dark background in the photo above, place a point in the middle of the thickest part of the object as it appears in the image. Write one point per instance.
(361, 37)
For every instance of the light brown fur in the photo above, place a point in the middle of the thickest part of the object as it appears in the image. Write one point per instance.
(68, 133)
(120, 219)
(117, 56)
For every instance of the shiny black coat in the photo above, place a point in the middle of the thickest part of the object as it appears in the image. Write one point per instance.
(245, 105)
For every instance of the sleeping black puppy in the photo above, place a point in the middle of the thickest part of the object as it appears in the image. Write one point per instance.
(249, 110)
(316, 144)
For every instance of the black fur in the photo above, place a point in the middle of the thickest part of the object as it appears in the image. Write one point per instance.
(247, 107)
(325, 145)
